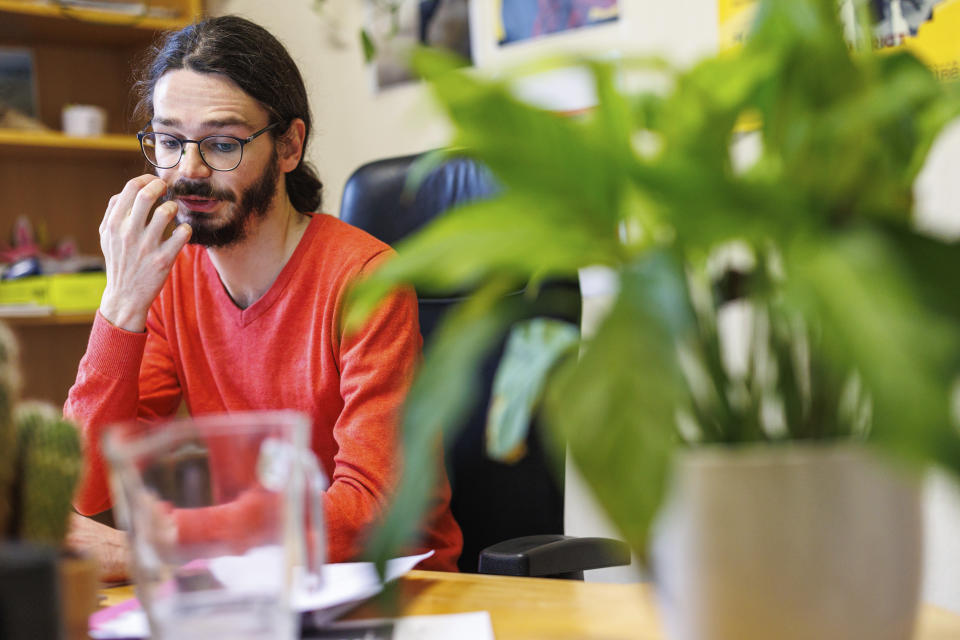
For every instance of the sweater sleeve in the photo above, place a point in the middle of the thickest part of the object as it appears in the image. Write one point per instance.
(376, 368)
(123, 375)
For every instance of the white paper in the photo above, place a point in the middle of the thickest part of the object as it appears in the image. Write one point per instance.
(129, 624)
(343, 586)
(351, 582)
(463, 626)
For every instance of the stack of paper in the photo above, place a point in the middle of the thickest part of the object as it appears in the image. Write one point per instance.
(344, 586)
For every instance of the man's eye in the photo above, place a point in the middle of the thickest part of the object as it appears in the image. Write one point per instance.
(222, 146)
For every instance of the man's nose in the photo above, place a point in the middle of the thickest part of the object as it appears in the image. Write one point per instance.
(191, 163)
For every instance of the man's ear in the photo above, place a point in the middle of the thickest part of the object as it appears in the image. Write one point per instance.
(290, 145)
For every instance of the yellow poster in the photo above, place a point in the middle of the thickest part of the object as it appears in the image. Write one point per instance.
(935, 39)
(735, 18)
(928, 28)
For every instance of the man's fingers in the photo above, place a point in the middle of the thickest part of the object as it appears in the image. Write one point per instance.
(177, 240)
(106, 214)
(125, 199)
(144, 201)
(133, 186)
(161, 218)
(110, 205)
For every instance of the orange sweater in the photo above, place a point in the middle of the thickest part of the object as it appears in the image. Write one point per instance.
(285, 351)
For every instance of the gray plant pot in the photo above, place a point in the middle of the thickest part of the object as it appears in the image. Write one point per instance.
(790, 542)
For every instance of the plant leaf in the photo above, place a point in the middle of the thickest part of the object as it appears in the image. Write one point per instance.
(616, 406)
(441, 395)
(871, 323)
(929, 263)
(501, 237)
(578, 165)
(533, 349)
(369, 48)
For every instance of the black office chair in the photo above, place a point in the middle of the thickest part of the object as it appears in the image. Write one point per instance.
(511, 514)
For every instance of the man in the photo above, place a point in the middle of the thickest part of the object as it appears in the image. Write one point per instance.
(248, 315)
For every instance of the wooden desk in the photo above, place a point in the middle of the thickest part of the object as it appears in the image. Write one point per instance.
(522, 608)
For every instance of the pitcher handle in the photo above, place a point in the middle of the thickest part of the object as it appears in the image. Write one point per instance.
(315, 545)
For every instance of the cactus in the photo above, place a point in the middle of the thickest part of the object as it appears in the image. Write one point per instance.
(50, 466)
(40, 459)
(9, 389)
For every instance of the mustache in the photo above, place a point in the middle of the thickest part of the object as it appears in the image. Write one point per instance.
(198, 189)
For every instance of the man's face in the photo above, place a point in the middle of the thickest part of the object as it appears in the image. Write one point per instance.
(219, 205)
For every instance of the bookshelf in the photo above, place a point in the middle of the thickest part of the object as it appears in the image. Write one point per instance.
(83, 53)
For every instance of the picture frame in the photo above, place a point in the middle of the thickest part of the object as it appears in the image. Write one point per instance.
(522, 20)
(394, 27)
(18, 83)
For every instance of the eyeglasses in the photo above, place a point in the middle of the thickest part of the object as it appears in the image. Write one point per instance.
(220, 153)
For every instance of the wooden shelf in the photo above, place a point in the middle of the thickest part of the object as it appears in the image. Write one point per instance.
(62, 184)
(48, 319)
(14, 142)
(46, 21)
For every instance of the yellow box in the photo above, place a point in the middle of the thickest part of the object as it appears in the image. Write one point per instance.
(28, 290)
(65, 292)
(74, 292)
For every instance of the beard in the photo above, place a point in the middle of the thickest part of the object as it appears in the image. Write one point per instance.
(254, 202)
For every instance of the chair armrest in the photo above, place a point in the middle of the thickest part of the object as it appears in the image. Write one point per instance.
(552, 556)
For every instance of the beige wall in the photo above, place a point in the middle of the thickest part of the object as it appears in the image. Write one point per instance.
(351, 124)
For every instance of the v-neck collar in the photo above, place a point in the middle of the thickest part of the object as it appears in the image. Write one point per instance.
(243, 317)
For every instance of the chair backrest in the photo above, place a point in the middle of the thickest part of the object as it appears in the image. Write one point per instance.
(491, 501)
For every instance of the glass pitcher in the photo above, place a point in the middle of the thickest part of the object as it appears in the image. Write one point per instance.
(224, 518)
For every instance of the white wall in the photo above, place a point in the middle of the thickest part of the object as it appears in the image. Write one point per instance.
(354, 125)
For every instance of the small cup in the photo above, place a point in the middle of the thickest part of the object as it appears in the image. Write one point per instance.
(84, 120)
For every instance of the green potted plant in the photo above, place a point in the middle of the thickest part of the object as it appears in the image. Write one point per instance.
(852, 342)
(40, 464)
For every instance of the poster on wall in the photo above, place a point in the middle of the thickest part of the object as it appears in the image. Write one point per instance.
(519, 20)
(734, 18)
(394, 27)
(928, 28)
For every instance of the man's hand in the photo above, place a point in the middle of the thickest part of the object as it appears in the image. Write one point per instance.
(138, 259)
(108, 547)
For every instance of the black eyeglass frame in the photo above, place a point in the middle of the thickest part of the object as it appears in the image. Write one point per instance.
(183, 145)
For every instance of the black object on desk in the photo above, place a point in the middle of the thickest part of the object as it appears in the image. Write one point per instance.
(552, 556)
(29, 592)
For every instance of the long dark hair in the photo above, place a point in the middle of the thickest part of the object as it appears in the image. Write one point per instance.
(255, 60)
